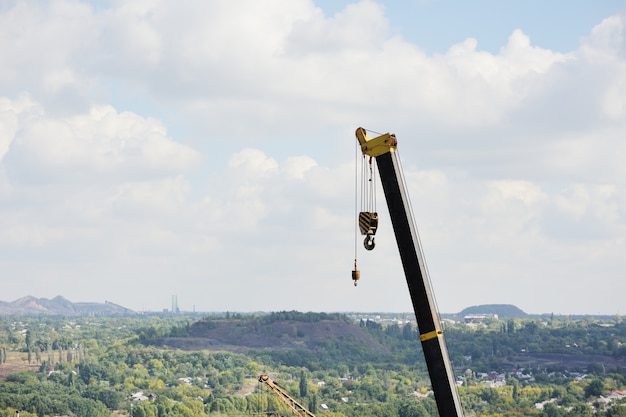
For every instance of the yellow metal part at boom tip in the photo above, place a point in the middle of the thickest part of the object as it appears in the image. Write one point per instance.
(376, 146)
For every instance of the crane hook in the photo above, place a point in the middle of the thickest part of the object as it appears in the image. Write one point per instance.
(369, 242)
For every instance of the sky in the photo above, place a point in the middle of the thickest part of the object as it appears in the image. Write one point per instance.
(206, 150)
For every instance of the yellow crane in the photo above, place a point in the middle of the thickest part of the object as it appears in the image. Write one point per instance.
(282, 395)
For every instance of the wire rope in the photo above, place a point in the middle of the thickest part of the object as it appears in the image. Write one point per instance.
(420, 248)
(356, 197)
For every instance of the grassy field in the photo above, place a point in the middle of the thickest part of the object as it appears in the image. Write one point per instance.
(16, 362)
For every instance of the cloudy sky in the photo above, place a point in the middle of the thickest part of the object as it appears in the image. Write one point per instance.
(206, 149)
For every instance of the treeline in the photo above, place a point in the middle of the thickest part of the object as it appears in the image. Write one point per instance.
(308, 317)
(117, 370)
(498, 343)
(271, 317)
(33, 394)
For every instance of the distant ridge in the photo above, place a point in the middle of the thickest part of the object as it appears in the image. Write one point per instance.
(502, 310)
(60, 306)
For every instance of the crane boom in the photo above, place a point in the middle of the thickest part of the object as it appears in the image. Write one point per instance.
(383, 149)
(294, 405)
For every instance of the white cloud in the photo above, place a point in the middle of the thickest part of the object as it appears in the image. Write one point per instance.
(606, 42)
(585, 211)
(46, 47)
(253, 163)
(207, 147)
(101, 146)
(13, 114)
(297, 166)
(360, 26)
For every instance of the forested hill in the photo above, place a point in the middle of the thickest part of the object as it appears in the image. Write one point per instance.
(317, 334)
(319, 339)
(501, 310)
(278, 330)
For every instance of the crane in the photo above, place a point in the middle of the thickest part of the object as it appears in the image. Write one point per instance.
(282, 395)
(382, 148)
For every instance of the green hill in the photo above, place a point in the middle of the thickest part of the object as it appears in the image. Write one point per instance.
(300, 339)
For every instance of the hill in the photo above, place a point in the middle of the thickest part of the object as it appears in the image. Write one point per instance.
(60, 306)
(306, 339)
(283, 333)
(502, 310)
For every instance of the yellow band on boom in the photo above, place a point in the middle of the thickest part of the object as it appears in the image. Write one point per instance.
(431, 335)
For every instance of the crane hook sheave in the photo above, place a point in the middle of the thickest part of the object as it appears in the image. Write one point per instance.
(368, 224)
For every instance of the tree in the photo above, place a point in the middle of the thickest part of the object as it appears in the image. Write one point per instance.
(106, 396)
(595, 388)
(312, 403)
(595, 368)
(580, 410)
(303, 384)
(407, 332)
(29, 339)
(412, 408)
(92, 370)
(551, 410)
(617, 410)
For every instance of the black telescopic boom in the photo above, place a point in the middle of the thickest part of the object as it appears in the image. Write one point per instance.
(429, 327)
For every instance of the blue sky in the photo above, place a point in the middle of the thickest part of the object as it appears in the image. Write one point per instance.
(435, 25)
(207, 151)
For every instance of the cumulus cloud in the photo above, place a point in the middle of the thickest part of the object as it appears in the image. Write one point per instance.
(204, 147)
(297, 166)
(100, 146)
(253, 163)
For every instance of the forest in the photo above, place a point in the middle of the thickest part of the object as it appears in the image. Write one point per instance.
(336, 365)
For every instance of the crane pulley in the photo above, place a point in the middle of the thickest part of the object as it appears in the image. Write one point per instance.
(368, 223)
